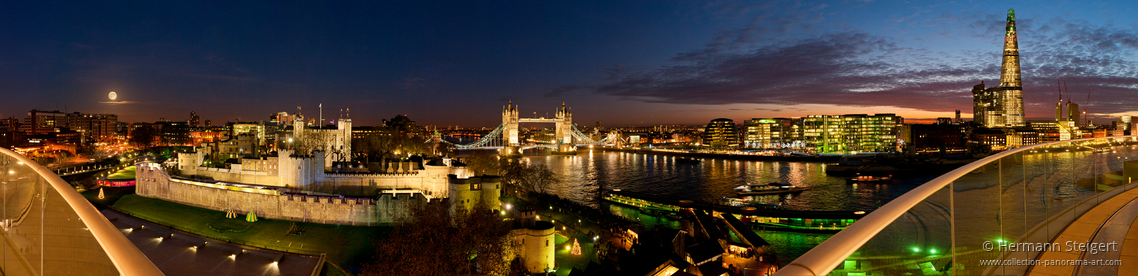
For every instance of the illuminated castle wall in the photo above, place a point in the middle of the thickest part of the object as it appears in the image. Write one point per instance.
(307, 172)
(271, 202)
(297, 205)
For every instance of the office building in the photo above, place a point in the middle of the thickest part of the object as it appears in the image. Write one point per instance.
(721, 133)
(1073, 113)
(851, 133)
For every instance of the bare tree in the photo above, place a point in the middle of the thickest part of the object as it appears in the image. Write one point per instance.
(310, 141)
(539, 178)
(390, 144)
(433, 242)
(483, 163)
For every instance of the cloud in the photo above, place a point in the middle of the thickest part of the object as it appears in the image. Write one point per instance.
(856, 68)
(122, 102)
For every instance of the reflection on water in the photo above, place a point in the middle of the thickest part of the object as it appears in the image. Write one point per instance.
(648, 221)
(589, 172)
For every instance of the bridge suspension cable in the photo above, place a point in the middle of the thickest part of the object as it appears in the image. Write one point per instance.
(492, 139)
(584, 139)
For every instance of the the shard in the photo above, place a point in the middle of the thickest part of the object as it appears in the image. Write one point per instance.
(1002, 106)
(1009, 76)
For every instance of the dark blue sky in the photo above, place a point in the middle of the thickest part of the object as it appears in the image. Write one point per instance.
(624, 63)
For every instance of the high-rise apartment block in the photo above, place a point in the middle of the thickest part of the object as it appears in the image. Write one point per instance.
(195, 121)
(93, 127)
(1073, 113)
(99, 128)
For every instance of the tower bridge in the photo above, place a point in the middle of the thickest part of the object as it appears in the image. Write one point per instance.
(505, 137)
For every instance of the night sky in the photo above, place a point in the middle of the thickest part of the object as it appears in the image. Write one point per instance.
(622, 63)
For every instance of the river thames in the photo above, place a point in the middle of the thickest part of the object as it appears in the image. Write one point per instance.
(1049, 176)
(585, 175)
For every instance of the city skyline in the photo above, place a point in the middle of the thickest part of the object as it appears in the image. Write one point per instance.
(623, 64)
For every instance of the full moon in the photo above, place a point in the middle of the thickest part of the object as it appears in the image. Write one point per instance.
(113, 96)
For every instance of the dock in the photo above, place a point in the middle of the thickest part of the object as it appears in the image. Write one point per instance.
(773, 219)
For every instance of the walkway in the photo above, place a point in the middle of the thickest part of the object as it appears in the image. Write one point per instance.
(177, 253)
(1113, 224)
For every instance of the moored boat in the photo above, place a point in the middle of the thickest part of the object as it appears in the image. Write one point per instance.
(739, 202)
(768, 189)
(870, 178)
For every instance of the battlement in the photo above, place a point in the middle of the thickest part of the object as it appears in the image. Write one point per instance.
(329, 199)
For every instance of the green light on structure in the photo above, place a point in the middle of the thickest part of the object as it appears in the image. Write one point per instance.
(916, 250)
(932, 251)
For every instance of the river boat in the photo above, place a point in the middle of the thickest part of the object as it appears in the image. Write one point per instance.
(739, 202)
(768, 189)
(872, 179)
(894, 165)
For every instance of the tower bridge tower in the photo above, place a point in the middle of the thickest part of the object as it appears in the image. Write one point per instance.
(563, 128)
(510, 124)
(564, 125)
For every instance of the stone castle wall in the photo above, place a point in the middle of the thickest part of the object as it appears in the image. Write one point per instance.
(308, 173)
(268, 202)
(432, 180)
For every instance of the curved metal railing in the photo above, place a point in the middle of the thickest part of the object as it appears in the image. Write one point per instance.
(949, 224)
(50, 229)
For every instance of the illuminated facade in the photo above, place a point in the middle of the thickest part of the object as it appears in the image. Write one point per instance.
(469, 192)
(534, 243)
(721, 133)
(1048, 131)
(772, 133)
(1002, 106)
(1010, 83)
(1127, 124)
(92, 127)
(852, 133)
(760, 133)
(335, 143)
(987, 109)
(855, 133)
(1073, 113)
(195, 121)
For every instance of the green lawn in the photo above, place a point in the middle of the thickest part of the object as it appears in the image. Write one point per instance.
(567, 261)
(127, 173)
(110, 195)
(345, 245)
